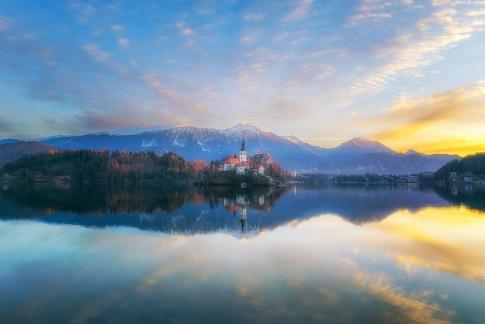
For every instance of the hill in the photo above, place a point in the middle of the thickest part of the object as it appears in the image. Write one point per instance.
(95, 166)
(472, 166)
(13, 150)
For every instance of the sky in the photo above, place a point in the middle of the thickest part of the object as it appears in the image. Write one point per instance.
(408, 73)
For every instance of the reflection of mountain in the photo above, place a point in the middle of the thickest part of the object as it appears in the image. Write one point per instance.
(200, 210)
(356, 204)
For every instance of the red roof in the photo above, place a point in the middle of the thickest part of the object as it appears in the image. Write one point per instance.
(231, 160)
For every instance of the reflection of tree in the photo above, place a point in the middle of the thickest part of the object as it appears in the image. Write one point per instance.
(98, 198)
(103, 198)
(469, 196)
(207, 209)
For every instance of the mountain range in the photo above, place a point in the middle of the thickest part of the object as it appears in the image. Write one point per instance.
(356, 156)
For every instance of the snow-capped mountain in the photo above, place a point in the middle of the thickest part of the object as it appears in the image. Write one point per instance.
(356, 156)
(362, 145)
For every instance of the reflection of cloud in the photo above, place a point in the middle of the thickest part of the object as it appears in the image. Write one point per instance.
(415, 308)
(344, 275)
(444, 239)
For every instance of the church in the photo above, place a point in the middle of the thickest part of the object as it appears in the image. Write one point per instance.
(241, 164)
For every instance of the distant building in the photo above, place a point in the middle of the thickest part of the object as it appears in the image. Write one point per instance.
(413, 179)
(453, 176)
(230, 163)
(468, 179)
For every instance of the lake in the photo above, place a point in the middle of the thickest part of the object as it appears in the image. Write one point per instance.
(351, 254)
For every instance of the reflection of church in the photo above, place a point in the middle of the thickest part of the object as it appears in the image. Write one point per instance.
(240, 204)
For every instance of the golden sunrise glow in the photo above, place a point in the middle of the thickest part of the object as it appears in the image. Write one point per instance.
(450, 122)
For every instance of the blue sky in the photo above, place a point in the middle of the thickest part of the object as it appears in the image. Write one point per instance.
(407, 73)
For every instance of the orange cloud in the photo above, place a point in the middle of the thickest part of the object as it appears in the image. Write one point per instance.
(449, 122)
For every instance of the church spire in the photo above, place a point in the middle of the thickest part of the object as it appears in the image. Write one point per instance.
(243, 156)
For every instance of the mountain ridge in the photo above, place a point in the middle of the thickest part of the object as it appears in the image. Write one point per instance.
(355, 156)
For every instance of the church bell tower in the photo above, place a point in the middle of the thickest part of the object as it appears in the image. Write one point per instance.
(243, 157)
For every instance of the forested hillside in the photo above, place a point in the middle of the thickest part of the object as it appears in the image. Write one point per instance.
(473, 165)
(93, 165)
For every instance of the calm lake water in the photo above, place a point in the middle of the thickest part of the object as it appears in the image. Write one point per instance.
(302, 254)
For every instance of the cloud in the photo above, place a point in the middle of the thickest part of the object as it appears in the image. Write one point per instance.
(5, 23)
(182, 105)
(83, 9)
(185, 30)
(313, 72)
(7, 128)
(104, 58)
(286, 110)
(254, 16)
(123, 42)
(96, 53)
(249, 36)
(412, 50)
(449, 122)
(117, 28)
(372, 10)
(128, 116)
(299, 12)
(415, 116)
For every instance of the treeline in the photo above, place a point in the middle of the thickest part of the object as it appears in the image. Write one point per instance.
(93, 165)
(472, 165)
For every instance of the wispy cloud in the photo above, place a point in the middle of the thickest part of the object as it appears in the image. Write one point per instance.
(117, 28)
(5, 23)
(300, 12)
(373, 11)
(254, 16)
(7, 128)
(420, 47)
(104, 57)
(123, 42)
(185, 30)
(286, 110)
(181, 105)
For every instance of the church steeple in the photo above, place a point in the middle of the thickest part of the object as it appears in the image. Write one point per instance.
(243, 157)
